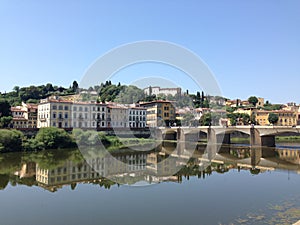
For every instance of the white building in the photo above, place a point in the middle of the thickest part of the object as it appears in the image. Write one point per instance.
(88, 115)
(158, 90)
(137, 117)
(53, 112)
(117, 116)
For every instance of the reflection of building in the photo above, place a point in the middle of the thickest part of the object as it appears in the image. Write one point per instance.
(159, 113)
(27, 170)
(67, 173)
(165, 91)
(289, 155)
(93, 168)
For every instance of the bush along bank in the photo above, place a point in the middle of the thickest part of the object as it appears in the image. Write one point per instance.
(54, 138)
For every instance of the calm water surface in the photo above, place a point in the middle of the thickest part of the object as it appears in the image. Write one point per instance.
(240, 186)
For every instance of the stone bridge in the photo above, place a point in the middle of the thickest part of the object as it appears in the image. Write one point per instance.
(259, 135)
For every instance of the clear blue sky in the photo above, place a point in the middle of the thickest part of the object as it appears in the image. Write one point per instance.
(252, 47)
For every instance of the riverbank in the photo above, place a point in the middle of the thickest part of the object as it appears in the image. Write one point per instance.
(54, 138)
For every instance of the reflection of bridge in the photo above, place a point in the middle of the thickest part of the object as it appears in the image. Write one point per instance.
(259, 135)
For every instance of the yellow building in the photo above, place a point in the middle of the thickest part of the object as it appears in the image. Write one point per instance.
(285, 118)
(262, 117)
(159, 113)
(261, 102)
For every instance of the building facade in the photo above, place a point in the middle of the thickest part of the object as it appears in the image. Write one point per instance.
(55, 113)
(158, 90)
(159, 113)
(285, 118)
(88, 115)
(117, 116)
(137, 117)
(24, 116)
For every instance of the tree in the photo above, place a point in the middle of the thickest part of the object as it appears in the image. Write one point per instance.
(205, 103)
(187, 119)
(75, 86)
(253, 100)
(17, 90)
(10, 140)
(273, 118)
(4, 108)
(5, 121)
(49, 87)
(253, 118)
(205, 119)
(53, 138)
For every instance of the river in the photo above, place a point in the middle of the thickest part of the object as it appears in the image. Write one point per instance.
(237, 185)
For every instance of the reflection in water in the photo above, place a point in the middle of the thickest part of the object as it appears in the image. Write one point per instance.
(52, 170)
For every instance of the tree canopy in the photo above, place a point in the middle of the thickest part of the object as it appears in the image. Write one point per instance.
(273, 118)
(253, 100)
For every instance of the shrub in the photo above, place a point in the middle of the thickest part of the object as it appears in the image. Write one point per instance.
(10, 140)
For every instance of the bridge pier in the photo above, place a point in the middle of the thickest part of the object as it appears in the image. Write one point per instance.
(257, 140)
(214, 138)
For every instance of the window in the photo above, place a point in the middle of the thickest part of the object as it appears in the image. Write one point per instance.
(75, 108)
(86, 109)
(66, 124)
(80, 108)
(54, 115)
(54, 124)
(66, 115)
(60, 107)
(54, 107)
(66, 107)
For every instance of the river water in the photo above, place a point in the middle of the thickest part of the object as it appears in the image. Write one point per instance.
(237, 185)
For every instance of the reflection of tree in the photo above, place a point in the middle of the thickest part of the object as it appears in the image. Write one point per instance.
(73, 186)
(4, 179)
(254, 171)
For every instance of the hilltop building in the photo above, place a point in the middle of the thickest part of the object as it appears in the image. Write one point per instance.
(158, 90)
